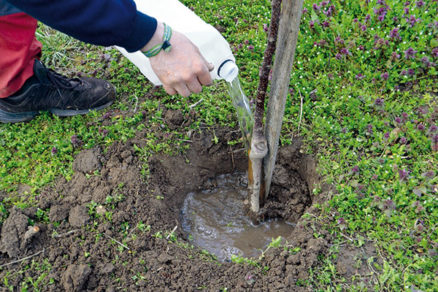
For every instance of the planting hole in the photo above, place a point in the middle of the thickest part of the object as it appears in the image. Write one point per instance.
(215, 220)
(206, 190)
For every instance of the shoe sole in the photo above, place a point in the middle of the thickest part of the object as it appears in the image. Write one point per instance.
(6, 117)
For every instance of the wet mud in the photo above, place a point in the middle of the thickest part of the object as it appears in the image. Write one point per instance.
(216, 220)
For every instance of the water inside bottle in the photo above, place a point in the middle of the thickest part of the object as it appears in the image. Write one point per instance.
(243, 110)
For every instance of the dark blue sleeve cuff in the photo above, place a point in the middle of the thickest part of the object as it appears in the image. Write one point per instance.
(144, 29)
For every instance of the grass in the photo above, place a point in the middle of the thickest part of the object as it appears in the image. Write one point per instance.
(366, 71)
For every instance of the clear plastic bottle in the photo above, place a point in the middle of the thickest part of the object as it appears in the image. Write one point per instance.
(210, 42)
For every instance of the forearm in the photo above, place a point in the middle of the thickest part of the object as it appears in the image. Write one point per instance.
(100, 22)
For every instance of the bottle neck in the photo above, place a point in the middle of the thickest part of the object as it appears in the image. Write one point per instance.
(228, 70)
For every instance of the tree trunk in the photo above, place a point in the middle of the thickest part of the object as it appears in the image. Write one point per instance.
(284, 57)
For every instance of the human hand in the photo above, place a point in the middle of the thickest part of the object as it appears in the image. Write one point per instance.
(183, 70)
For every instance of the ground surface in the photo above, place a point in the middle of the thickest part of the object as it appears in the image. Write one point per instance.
(111, 230)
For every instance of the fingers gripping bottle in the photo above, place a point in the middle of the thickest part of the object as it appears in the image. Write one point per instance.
(210, 42)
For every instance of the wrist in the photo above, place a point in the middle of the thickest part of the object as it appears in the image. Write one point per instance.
(156, 39)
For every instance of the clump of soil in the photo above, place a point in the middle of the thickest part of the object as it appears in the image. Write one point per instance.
(117, 249)
(13, 232)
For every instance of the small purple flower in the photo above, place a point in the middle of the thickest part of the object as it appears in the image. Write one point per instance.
(384, 76)
(250, 47)
(386, 135)
(359, 76)
(398, 120)
(355, 20)
(341, 220)
(105, 132)
(406, 10)
(316, 7)
(338, 56)
(370, 129)
(345, 51)
(305, 10)
(412, 20)
(389, 205)
(75, 140)
(426, 62)
(404, 73)
(379, 101)
(420, 127)
(394, 34)
(395, 19)
(339, 40)
(367, 18)
(419, 226)
(435, 52)
(422, 111)
(322, 43)
(403, 140)
(381, 2)
(326, 23)
(410, 53)
(395, 56)
(311, 24)
(265, 27)
(380, 11)
(363, 27)
(433, 129)
(361, 47)
(435, 139)
(330, 11)
(379, 43)
(381, 18)
(324, 3)
(355, 169)
(429, 174)
(106, 115)
(411, 72)
(420, 3)
(403, 174)
(54, 150)
(407, 3)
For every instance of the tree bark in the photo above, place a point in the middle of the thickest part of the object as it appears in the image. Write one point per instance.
(284, 57)
(259, 146)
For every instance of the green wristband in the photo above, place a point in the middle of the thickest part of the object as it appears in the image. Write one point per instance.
(165, 46)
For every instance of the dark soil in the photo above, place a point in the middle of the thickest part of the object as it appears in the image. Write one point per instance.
(91, 238)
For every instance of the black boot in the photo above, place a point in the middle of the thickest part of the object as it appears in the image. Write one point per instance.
(49, 91)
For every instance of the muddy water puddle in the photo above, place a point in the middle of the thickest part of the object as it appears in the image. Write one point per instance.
(215, 220)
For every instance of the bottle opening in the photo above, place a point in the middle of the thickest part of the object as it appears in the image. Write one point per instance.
(228, 70)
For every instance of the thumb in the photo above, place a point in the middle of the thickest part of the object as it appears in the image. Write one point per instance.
(210, 67)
